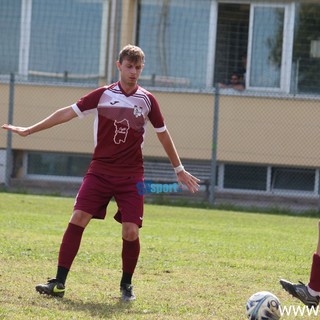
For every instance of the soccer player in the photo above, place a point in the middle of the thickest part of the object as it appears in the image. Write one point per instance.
(121, 113)
(310, 294)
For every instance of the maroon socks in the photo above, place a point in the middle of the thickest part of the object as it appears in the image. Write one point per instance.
(68, 250)
(70, 245)
(314, 283)
(130, 255)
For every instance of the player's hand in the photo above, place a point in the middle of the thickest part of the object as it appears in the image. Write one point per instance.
(184, 177)
(21, 131)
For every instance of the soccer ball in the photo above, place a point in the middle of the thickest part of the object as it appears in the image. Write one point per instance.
(263, 306)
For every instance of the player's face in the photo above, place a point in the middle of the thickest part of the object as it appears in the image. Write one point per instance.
(129, 72)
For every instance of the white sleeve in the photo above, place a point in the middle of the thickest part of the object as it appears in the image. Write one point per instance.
(81, 114)
(77, 110)
(162, 129)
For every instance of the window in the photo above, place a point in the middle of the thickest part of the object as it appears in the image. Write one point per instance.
(10, 19)
(174, 36)
(255, 41)
(306, 53)
(196, 44)
(266, 47)
(245, 177)
(59, 40)
(293, 179)
(270, 47)
(57, 164)
(232, 41)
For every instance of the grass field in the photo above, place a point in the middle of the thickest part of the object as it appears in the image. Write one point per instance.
(194, 263)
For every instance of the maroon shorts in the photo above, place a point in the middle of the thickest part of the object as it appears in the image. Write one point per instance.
(96, 192)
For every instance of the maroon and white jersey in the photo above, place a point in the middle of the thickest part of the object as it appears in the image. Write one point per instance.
(119, 127)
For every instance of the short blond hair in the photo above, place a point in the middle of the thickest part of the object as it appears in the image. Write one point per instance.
(132, 53)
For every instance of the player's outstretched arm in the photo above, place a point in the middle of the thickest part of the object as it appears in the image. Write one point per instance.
(183, 176)
(60, 116)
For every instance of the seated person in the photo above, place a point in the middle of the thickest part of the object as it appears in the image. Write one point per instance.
(234, 83)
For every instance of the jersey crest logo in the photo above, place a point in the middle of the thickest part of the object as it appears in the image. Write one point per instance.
(121, 131)
(137, 111)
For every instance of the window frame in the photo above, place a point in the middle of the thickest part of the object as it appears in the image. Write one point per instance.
(287, 72)
(287, 46)
(25, 40)
(51, 177)
(289, 172)
(270, 188)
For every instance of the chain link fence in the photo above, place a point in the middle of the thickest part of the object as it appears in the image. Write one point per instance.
(263, 151)
(237, 84)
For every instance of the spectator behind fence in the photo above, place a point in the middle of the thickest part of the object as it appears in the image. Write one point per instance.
(234, 83)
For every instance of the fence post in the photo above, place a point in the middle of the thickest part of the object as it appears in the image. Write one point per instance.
(9, 133)
(212, 197)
